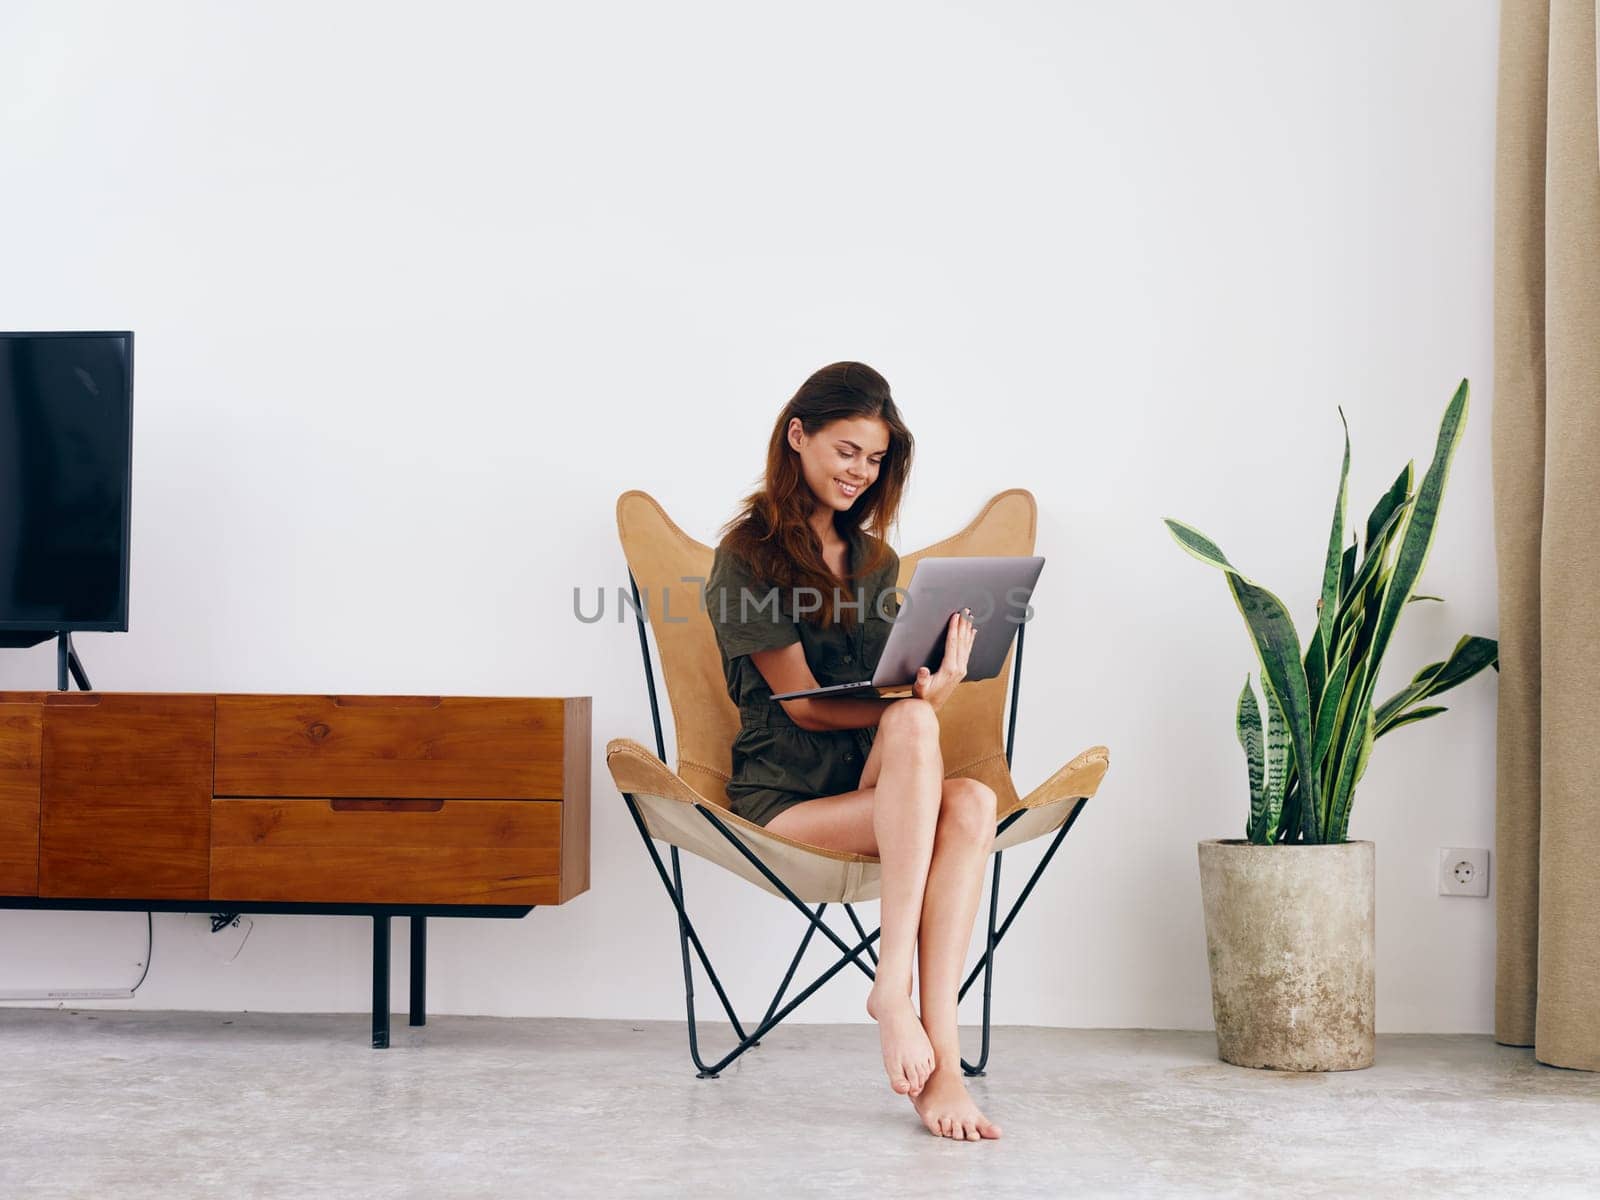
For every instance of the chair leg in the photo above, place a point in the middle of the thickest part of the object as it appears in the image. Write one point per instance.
(854, 955)
(777, 1018)
(795, 962)
(986, 963)
(688, 936)
(849, 954)
(856, 921)
(685, 932)
(988, 972)
(772, 1020)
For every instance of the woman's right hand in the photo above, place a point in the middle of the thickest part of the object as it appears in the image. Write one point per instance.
(937, 686)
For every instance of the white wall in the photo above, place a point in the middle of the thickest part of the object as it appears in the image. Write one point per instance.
(419, 289)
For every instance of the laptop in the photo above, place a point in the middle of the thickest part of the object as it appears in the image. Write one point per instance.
(996, 589)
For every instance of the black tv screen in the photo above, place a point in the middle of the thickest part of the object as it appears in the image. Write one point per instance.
(66, 475)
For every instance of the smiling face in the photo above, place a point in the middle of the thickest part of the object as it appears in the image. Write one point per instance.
(841, 460)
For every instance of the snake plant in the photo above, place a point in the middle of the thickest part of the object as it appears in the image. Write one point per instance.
(1304, 763)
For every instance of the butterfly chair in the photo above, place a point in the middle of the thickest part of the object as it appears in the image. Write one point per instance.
(688, 808)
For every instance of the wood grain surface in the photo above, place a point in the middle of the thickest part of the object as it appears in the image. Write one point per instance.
(126, 796)
(390, 746)
(20, 726)
(464, 852)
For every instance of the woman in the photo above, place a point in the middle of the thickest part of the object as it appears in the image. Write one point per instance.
(863, 776)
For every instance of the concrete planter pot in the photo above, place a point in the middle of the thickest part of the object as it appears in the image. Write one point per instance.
(1289, 934)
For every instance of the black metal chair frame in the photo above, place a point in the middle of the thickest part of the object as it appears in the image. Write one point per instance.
(687, 936)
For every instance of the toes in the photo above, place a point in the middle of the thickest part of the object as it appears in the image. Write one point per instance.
(897, 1079)
(944, 1127)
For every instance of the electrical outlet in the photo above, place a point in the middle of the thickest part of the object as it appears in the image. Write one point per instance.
(1463, 872)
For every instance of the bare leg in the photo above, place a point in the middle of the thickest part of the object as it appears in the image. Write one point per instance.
(964, 837)
(904, 793)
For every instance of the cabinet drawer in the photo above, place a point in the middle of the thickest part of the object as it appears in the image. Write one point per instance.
(125, 795)
(20, 727)
(432, 747)
(331, 850)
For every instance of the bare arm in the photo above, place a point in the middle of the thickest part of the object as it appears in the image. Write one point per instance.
(786, 670)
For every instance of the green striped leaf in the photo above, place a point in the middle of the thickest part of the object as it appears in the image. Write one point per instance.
(1289, 823)
(1351, 764)
(1317, 658)
(1412, 715)
(1247, 720)
(1316, 665)
(1279, 758)
(1327, 711)
(1410, 694)
(1399, 491)
(1278, 650)
(1347, 639)
(1363, 753)
(1418, 539)
(1328, 605)
(1371, 606)
(1471, 655)
(1199, 545)
(1377, 552)
(1345, 741)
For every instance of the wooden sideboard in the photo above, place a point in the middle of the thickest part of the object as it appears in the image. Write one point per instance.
(393, 805)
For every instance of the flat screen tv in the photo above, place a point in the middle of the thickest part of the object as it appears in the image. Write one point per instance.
(66, 482)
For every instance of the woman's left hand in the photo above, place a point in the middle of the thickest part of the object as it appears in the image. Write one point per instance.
(937, 686)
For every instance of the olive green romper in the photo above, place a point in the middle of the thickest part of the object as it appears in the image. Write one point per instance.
(777, 764)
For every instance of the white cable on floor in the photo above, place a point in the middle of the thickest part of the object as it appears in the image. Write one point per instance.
(94, 993)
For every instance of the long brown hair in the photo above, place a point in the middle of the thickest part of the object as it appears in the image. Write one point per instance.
(772, 533)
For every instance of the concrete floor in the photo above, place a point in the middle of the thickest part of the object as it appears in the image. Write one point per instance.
(178, 1104)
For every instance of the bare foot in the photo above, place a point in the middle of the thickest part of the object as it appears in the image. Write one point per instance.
(907, 1053)
(948, 1111)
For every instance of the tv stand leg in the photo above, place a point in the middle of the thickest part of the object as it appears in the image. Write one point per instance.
(419, 970)
(67, 660)
(380, 981)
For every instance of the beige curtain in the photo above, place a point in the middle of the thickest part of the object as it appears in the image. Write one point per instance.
(1547, 531)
